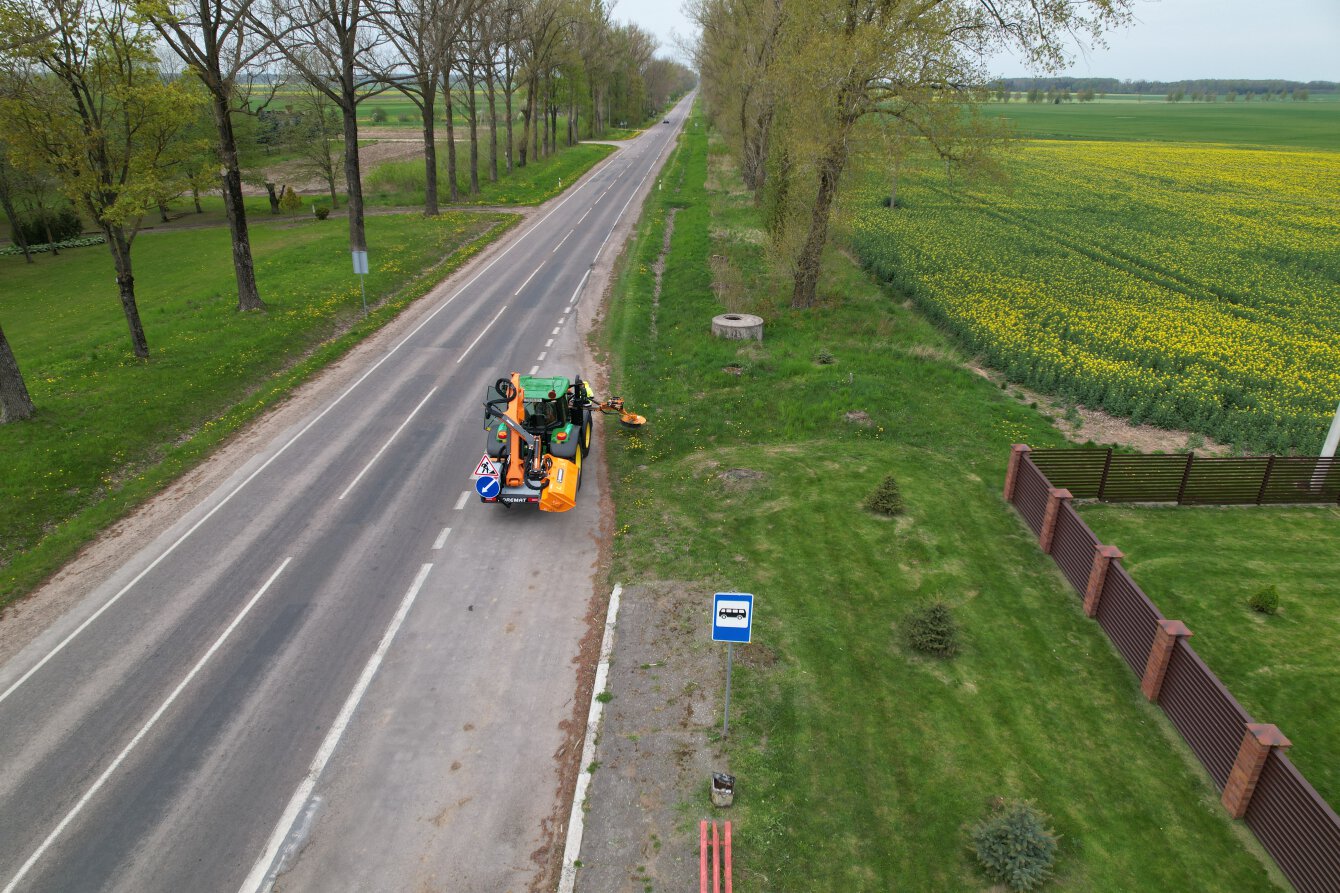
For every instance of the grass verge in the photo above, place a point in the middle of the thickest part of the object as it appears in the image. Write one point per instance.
(860, 762)
(400, 183)
(112, 430)
(1201, 565)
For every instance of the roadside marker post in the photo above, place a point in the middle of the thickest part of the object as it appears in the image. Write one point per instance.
(361, 268)
(732, 622)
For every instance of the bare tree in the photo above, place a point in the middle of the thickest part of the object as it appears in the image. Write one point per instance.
(422, 33)
(333, 45)
(215, 40)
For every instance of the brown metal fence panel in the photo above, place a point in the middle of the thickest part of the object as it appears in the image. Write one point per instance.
(1073, 545)
(1296, 827)
(1128, 617)
(1144, 478)
(1079, 471)
(1030, 494)
(1295, 479)
(1209, 718)
(1225, 481)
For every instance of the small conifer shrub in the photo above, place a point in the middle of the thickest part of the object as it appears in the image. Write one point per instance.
(1014, 845)
(887, 498)
(1267, 600)
(932, 630)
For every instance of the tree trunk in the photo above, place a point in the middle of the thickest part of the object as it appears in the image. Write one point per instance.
(51, 238)
(807, 264)
(430, 208)
(163, 213)
(244, 269)
(507, 107)
(352, 180)
(125, 286)
(493, 125)
(453, 191)
(195, 197)
(472, 117)
(15, 404)
(14, 232)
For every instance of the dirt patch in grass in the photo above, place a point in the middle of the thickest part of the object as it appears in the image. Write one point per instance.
(1080, 424)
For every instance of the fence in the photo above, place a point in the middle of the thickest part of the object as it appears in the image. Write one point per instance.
(1190, 479)
(1246, 759)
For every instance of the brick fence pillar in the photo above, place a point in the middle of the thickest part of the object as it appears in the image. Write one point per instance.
(1257, 743)
(1159, 654)
(1102, 558)
(1017, 453)
(1055, 497)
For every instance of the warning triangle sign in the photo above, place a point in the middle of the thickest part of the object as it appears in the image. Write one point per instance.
(486, 468)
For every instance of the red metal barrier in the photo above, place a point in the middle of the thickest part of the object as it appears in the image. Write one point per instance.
(728, 890)
(702, 856)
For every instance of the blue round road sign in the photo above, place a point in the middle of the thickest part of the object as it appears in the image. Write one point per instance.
(487, 487)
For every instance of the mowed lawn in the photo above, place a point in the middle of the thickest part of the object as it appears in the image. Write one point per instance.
(859, 762)
(110, 429)
(1201, 565)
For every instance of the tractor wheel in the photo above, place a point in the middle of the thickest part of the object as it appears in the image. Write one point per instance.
(586, 431)
(579, 470)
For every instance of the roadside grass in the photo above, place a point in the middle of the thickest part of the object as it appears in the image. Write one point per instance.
(111, 430)
(1303, 125)
(1201, 565)
(400, 183)
(859, 762)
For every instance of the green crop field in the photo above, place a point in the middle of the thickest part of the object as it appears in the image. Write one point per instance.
(1303, 125)
(1202, 565)
(859, 760)
(1188, 285)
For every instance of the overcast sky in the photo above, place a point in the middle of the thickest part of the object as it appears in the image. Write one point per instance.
(1296, 40)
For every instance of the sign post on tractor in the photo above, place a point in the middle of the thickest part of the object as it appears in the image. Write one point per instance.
(732, 622)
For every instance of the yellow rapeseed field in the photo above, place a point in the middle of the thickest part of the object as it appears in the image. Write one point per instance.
(1188, 286)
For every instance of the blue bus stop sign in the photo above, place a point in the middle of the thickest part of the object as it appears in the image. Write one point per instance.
(487, 487)
(732, 617)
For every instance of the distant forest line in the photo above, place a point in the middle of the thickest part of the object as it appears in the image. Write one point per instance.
(1205, 85)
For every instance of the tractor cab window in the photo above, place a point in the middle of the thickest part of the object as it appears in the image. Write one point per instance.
(542, 415)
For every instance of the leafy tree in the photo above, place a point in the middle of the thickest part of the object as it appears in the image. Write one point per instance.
(92, 109)
(213, 38)
(10, 178)
(914, 60)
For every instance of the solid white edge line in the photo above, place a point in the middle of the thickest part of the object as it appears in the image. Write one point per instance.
(572, 302)
(572, 847)
(460, 503)
(259, 878)
(393, 436)
(441, 538)
(196, 526)
(481, 335)
(528, 279)
(144, 730)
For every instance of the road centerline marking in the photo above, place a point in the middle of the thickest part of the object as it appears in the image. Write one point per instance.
(460, 503)
(528, 279)
(565, 238)
(393, 436)
(481, 335)
(441, 538)
(260, 876)
(144, 730)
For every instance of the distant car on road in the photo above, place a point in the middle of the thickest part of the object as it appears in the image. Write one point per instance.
(666, 121)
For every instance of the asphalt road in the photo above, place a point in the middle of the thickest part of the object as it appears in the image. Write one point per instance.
(341, 671)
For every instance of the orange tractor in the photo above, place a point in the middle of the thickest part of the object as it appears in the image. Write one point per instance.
(540, 429)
